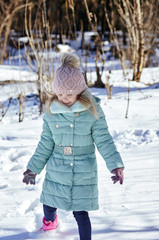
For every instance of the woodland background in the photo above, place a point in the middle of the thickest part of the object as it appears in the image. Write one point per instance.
(34, 33)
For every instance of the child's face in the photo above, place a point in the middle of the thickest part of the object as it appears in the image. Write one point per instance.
(67, 99)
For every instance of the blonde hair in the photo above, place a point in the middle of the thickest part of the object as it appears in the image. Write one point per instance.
(86, 101)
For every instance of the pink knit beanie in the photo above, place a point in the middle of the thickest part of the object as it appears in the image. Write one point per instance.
(68, 78)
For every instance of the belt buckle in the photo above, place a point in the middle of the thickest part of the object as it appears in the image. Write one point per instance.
(67, 150)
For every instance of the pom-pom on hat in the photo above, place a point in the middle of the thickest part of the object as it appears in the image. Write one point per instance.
(68, 78)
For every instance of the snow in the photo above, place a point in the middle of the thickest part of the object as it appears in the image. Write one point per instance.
(15, 73)
(64, 48)
(128, 211)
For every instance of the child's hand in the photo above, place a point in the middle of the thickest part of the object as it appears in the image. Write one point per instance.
(119, 175)
(29, 177)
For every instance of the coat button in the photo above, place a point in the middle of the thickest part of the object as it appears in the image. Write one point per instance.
(71, 164)
(77, 114)
(57, 126)
(71, 125)
(60, 145)
(71, 144)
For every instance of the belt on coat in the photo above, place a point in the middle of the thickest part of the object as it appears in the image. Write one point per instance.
(74, 150)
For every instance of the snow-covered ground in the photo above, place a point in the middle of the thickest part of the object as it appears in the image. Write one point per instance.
(127, 212)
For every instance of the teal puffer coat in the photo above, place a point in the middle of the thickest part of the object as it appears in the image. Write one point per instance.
(67, 149)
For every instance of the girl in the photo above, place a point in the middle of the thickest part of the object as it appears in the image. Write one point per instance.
(73, 123)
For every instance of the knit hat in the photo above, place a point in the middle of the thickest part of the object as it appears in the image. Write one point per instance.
(68, 78)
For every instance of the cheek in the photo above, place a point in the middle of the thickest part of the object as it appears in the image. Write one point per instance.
(73, 99)
(60, 96)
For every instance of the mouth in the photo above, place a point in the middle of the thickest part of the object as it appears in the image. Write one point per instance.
(67, 104)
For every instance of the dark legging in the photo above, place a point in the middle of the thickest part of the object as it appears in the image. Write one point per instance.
(82, 219)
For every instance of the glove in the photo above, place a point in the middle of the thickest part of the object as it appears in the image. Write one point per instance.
(29, 177)
(119, 175)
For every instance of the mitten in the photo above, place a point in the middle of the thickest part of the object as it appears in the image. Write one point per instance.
(29, 177)
(119, 175)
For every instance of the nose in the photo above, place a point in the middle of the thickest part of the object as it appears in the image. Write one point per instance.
(64, 99)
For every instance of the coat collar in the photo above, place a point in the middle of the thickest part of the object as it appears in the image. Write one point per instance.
(58, 107)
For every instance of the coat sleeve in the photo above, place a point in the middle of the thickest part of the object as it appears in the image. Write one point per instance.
(43, 151)
(105, 143)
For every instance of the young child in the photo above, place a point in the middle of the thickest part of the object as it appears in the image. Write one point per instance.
(73, 123)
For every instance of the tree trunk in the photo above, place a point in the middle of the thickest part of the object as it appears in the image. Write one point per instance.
(20, 99)
(98, 83)
(141, 55)
(39, 91)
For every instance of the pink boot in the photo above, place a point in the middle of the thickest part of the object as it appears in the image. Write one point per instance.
(49, 225)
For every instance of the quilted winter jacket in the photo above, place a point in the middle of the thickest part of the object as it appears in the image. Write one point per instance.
(71, 180)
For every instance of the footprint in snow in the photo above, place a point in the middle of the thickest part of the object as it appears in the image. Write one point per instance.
(3, 186)
(17, 167)
(28, 206)
(15, 154)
